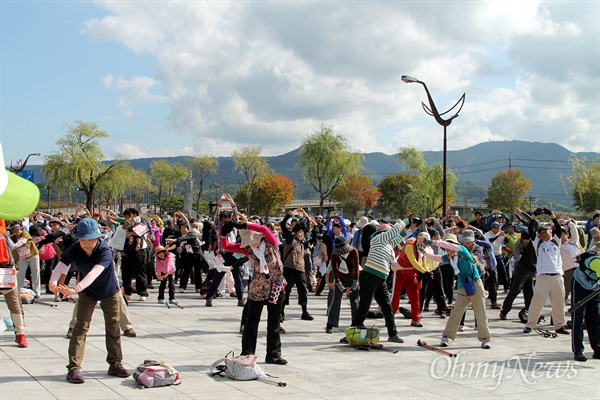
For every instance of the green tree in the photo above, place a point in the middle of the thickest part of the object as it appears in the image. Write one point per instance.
(325, 159)
(584, 182)
(507, 191)
(249, 164)
(427, 191)
(396, 194)
(271, 193)
(166, 177)
(171, 204)
(355, 193)
(202, 167)
(79, 161)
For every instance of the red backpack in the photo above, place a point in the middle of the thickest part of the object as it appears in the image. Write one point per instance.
(5, 257)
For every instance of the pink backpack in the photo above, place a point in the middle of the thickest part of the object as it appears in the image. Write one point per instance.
(153, 373)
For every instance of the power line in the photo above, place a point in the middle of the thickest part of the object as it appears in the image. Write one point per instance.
(479, 170)
(531, 159)
(475, 165)
(548, 168)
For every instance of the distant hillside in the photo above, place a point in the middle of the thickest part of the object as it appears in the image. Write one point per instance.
(542, 163)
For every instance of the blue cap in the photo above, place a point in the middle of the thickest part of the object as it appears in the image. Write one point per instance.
(496, 225)
(87, 228)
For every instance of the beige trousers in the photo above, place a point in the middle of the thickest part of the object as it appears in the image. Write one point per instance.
(545, 285)
(460, 306)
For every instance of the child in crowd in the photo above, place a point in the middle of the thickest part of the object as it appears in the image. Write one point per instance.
(165, 269)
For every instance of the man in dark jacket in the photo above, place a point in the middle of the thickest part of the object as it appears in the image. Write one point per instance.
(523, 275)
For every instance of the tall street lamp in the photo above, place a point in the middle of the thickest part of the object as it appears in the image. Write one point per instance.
(20, 166)
(432, 110)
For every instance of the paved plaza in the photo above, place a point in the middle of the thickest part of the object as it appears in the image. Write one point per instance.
(190, 339)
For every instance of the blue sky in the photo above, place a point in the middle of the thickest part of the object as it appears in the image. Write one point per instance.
(186, 78)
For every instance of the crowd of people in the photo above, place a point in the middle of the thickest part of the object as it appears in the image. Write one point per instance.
(114, 259)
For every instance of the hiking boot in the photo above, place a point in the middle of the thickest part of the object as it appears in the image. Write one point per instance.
(503, 315)
(129, 332)
(74, 376)
(69, 333)
(21, 340)
(495, 306)
(276, 360)
(306, 316)
(485, 344)
(417, 324)
(208, 302)
(527, 330)
(444, 342)
(241, 303)
(579, 356)
(117, 369)
(395, 339)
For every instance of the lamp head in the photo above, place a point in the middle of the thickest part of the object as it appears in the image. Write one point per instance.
(409, 79)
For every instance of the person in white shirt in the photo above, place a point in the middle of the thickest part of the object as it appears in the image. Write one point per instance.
(549, 273)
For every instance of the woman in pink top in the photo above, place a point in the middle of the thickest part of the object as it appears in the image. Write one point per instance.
(266, 288)
(165, 269)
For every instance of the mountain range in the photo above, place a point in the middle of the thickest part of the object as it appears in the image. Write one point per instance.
(544, 164)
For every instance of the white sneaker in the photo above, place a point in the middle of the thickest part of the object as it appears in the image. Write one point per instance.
(57, 299)
(181, 290)
(444, 342)
(485, 344)
(143, 298)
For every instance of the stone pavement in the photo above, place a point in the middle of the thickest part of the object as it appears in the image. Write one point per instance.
(517, 366)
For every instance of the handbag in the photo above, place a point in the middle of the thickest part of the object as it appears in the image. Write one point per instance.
(469, 286)
(468, 283)
(240, 368)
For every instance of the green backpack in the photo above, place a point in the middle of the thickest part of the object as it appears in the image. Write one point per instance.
(357, 336)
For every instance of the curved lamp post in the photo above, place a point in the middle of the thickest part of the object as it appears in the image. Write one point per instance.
(19, 167)
(432, 110)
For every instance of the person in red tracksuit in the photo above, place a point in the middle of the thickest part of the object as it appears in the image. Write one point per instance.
(409, 262)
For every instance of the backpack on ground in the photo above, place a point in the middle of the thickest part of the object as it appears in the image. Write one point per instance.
(241, 368)
(153, 373)
(361, 336)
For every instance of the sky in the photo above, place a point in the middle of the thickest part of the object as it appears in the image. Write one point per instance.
(170, 78)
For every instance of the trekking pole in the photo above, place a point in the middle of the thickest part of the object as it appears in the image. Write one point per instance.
(424, 344)
(45, 303)
(583, 301)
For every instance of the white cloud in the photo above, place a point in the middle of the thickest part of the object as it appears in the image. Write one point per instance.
(267, 73)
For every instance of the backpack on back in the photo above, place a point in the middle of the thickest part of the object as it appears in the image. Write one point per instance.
(8, 273)
(5, 257)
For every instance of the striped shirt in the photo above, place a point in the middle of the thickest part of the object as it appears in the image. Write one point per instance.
(381, 255)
